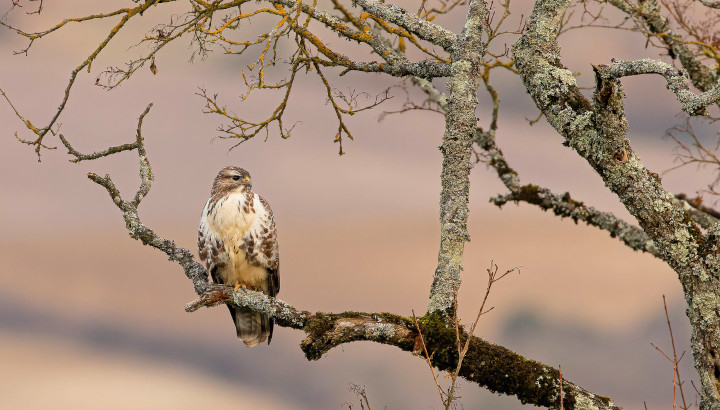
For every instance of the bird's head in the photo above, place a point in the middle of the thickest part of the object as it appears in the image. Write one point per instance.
(231, 178)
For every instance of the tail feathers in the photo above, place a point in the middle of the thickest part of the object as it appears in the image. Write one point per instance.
(252, 328)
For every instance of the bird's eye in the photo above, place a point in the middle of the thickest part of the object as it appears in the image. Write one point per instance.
(236, 177)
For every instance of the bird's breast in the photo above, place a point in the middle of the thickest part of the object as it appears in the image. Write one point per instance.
(231, 220)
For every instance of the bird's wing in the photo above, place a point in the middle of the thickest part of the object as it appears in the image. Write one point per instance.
(210, 246)
(265, 236)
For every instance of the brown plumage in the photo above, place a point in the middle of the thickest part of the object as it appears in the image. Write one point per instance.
(237, 241)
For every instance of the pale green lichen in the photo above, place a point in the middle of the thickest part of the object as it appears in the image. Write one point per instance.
(660, 206)
(679, 248)
(649, 7)
(581, 127)
(582, 122)
(565, 76)
(587, 402)
(705, 304)
(712, 261)
(379, 330)
(554, 82)
(563, 118)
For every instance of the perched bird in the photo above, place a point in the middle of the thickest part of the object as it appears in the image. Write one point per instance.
(237, 241)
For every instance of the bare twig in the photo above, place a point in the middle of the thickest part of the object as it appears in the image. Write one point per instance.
(696, 152)
(427, 357)
(677, 381)
(448, 397)
(127, 13)
(360, 392)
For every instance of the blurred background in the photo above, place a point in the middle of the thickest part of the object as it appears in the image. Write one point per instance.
(90, 318)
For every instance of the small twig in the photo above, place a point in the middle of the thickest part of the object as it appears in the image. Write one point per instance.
(427, 357)
(360, 391)
(448, 397)
(677, 382)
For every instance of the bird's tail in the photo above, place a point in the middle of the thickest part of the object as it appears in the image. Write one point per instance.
(252, 328)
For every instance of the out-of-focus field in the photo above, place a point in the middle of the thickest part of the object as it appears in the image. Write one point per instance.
(89, 318)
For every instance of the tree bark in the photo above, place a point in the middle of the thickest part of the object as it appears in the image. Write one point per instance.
(597, 131)
(490, 366)
(460, 126)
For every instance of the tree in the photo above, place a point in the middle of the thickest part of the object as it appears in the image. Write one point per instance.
(299, 37)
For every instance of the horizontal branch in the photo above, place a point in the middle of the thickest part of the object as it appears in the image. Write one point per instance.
(423, 69)
(95, 155)
(677, 81)
(564, 206)
(561, 205)
(284, 314)
(496, 368)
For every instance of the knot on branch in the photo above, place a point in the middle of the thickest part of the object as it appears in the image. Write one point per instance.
(325, 331)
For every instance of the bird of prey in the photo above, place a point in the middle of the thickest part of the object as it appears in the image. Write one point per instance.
(237, 241)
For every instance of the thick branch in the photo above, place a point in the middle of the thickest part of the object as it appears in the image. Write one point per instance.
(460, 126)
(494, 367)
(561, 205)
(598, 133)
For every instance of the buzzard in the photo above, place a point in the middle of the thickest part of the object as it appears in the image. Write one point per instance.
(237, 241)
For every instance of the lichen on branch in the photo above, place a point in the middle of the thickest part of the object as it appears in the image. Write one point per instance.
(597, 131)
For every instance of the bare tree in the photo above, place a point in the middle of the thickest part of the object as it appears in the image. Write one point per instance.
(407, 43)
